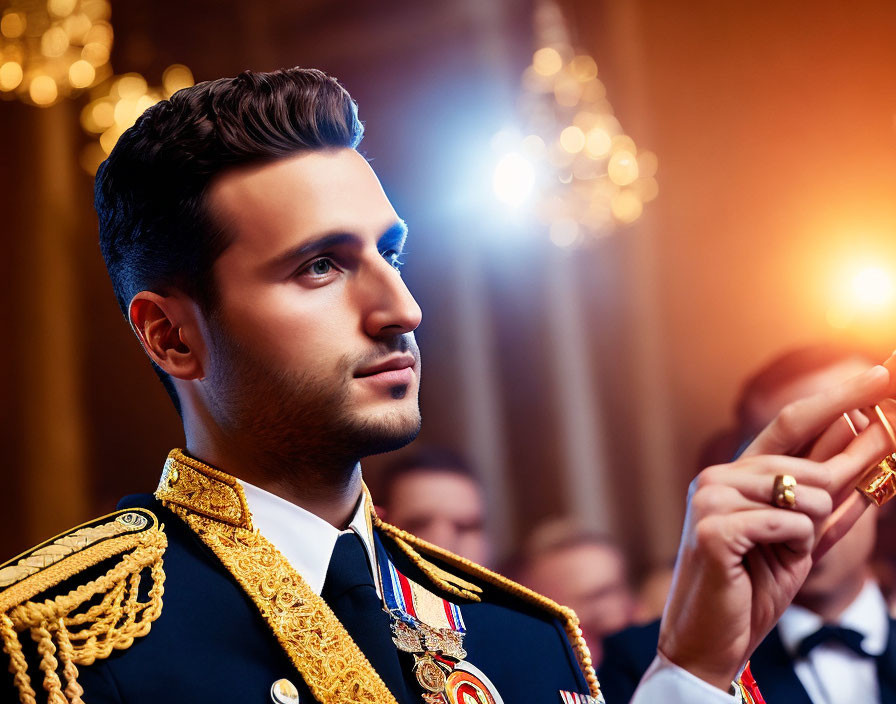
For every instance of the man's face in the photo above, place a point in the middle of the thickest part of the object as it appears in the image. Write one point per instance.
(311, 347)
(443, 508)
(589, 578)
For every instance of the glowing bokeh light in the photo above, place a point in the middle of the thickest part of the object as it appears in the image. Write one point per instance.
(43, 90)
(584, 68)
(585, 175)
(13, 25)
(175, 78)
(81, 74)
(572, 139)
(10, 75)
(598, 143)
(513, 179)
(623, 168)
(61, 8)
(872, 287)
(533, 145)
(61, 46)
(626, 206)
(547, 61)
(564, 232)
(54, 42)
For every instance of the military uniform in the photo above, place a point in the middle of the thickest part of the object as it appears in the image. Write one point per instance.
(178, 598)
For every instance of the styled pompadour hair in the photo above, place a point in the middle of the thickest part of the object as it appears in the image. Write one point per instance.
(156, 230)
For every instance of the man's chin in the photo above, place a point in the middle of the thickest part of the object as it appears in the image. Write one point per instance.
(387, 432)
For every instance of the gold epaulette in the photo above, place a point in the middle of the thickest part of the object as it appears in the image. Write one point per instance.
(89, 620)
(413, 546)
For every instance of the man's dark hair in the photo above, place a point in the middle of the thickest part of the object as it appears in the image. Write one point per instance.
(789, 366)
(156, 231)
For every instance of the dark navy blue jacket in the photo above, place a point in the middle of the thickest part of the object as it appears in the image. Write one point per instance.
(211, 645)
(628, 654)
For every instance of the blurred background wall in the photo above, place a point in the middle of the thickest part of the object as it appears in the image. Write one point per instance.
(577, 380)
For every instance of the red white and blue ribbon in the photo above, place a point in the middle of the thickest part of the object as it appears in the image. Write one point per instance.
(412, 603)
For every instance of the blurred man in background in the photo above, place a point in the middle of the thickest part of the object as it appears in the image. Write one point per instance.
(836, 643)
(583, 570)
(435, 495)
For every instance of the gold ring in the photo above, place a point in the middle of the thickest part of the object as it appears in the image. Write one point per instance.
(879, 483)
(783, 495)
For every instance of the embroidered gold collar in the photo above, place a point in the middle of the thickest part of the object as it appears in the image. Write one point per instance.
(212, 503)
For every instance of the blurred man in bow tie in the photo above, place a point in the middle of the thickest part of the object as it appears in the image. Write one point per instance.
(836, 644)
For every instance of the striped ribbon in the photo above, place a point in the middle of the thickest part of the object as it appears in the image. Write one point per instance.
(411, 602)
(576, 698)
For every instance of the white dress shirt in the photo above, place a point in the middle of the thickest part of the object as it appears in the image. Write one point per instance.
(832, 673)
(307, 542)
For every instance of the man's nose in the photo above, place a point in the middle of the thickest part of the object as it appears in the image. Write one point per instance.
(391, 309)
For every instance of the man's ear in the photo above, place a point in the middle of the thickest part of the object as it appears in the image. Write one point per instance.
(169, 332)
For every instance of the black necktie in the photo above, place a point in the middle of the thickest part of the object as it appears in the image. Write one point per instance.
(348, 568)
(349, 590)
(837, 634)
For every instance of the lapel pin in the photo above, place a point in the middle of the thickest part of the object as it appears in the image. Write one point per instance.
(284, 692)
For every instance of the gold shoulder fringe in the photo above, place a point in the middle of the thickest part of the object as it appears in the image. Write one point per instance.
(412, 546)
(92, 619)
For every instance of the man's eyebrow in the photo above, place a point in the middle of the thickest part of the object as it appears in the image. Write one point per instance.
(306, 249)
(394, 237)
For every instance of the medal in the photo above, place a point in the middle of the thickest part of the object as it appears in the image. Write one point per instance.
(466, 685)
(432, 630)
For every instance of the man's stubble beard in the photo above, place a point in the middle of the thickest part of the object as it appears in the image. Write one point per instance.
(296, 422)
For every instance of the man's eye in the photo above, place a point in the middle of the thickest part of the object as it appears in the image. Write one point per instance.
(320, 267)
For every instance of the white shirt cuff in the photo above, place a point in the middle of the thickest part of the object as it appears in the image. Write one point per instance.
(666, 682)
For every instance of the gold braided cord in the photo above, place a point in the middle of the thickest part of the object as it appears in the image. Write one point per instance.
(88, 622)
(116, 533)
(18, 666)
(48, 664)
(409, 544)
(331, 664)
(73, 689)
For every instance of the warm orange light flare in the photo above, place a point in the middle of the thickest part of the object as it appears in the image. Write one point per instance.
(873, 287)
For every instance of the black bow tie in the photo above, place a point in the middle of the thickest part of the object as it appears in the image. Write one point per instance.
(837, 634)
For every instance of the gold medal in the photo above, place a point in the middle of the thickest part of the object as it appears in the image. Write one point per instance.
(429, 673)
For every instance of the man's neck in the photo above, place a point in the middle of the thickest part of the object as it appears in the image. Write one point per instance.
(329, 490)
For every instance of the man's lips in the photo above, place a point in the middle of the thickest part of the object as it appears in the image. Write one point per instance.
(398, 369)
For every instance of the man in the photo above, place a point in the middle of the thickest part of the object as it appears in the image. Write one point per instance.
(256, 257)
(808, 658)
(585, 571)
(435, 495)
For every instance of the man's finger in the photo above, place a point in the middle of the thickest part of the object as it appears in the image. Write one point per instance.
(750, 492)
(772, 526)
(800, 422)
(847, 467)
(840, 521)
(766, 466)
(838, 435)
